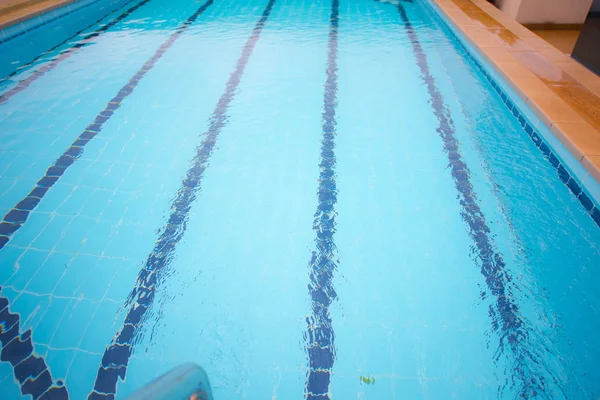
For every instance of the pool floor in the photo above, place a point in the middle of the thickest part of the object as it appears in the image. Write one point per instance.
(326, 199)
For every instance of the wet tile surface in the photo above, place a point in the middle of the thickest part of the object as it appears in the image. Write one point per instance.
(572, 102)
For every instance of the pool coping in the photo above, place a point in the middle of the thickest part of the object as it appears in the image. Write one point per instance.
(562, 93)
(30, 11)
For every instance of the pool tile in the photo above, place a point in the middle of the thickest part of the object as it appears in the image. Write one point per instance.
(74, 323)
(75, 236)
(8, 259)
(29, 263)
(31, 309)
(38, 386)
(82, 374)
(50, 273)
(93, 207)
(8, 228)
(59, 362)
(49, 321)
(114, 210)
(75, 200)
(592, 164)
(124, 280)
(99, 235)
(16, 216)
(76, 273)
(28, 203)
(52, 233)
(97, 282)
(54, 198)
(30, 368)
(121, 244)
(9, 387)
(103, 326)
(18, 166)
(114, 176)
(579, 137)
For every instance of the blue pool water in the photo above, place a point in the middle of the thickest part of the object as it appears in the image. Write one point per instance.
(324, 199)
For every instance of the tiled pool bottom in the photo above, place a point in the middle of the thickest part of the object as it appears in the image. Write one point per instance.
(174, 178)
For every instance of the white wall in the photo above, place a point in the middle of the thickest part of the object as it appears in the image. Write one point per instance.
(510, 7)
(547, 11)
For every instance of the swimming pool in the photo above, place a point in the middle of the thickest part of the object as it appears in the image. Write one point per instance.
(328, 199)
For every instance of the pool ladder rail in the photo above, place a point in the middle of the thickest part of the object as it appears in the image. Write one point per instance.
(186, 382)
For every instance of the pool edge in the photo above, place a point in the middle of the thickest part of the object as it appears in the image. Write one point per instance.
(567, 128)
(31, 17)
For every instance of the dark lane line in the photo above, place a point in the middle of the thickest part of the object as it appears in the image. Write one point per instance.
(116, 356)
(24, 84)
(18, 215)
(319, 336)
(31, 372)
(18, 347)
(506, 317)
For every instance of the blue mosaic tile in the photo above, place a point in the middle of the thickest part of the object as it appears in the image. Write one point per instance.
(98, 237)
(70, 329)
(31, 307)
(574, 187)
(74, 202)
(82, 374)
(52, 233)
(586, 202)
(75, 236)
(28, 203)
(124, 280)
(49, 322)
(75, 274)
(59, 361)
(49, 274)
(95, 285)
(93, 209)
(16, 216)
(563, 174)
(595, 213)
(38, 192)
(8, 258)
(57, 195)
(102, 327)
(121, 246)
(28, 265)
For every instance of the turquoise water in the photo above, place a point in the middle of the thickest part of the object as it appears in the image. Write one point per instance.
(293, 195)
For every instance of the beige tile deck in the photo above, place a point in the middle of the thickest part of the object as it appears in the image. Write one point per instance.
(563, 93)
(15, 11)
(563, 40)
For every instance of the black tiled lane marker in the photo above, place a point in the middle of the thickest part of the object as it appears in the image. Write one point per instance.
(17, 216)
(506, 315)
(24, 84)
(16, 347)
(116, 356)
(319, 336)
